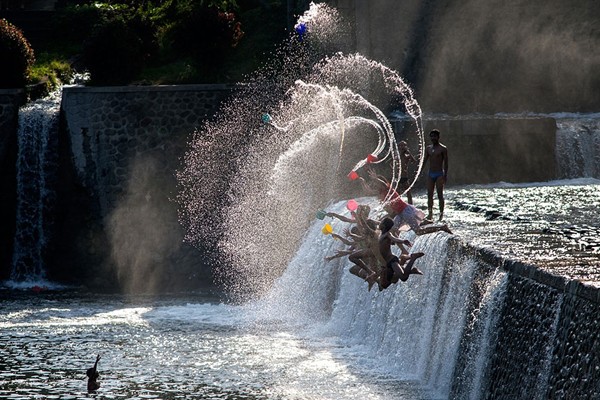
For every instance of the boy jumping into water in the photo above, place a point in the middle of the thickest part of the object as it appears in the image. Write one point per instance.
(393, 271)
(401, 212)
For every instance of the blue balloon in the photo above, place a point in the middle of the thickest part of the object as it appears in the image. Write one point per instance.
(300, 30)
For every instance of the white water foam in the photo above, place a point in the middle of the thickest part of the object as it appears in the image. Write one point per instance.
(411, 331)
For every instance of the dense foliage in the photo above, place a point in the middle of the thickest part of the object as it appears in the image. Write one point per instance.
(159, 41)
(167, 41)
(16, 54)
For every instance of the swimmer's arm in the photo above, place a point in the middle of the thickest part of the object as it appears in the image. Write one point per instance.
(426, 158)
(356, 238)
(338, 254)
(400, 242)
(96, 363)
(366, 186)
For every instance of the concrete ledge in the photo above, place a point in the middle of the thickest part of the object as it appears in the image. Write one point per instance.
(529, 271)
(150, 88)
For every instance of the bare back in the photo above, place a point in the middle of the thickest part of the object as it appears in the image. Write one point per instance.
(385, 246)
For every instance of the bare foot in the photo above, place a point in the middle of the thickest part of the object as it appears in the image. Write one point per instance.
(446, 229)
(409, 266)
(371, 279)
(415, 271)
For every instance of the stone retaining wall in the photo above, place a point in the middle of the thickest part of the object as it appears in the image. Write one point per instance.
(544, 343)
(491, 149)
(109, 128)
(121, 148)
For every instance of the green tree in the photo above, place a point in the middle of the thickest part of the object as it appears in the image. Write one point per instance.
(16, 54)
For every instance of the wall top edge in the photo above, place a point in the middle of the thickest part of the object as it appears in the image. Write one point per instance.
(11, 91)
(586, 290)
(149, 88)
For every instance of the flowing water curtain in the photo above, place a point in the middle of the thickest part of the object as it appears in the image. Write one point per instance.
(36, 173)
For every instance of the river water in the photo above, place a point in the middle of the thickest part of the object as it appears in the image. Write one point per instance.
(172, 348)
(318, 334)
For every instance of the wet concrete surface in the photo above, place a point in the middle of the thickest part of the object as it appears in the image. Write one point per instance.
(554, 226)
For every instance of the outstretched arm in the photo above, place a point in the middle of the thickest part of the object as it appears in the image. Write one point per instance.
(401, 243)
(338, 254)
(340, 217)
(96, 363)
(342, 239)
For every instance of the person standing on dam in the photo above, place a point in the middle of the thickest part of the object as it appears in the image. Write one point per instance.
(437, 155)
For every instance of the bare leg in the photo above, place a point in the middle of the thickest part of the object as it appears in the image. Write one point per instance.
(411, 261)
(384, 281)
(440, 193)
(356, 258)
(430, 187)
(399, 272)
(423, 230)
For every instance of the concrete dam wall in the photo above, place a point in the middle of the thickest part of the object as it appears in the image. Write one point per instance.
(492, 56)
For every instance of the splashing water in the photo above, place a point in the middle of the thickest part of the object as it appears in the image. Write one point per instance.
(251, 184)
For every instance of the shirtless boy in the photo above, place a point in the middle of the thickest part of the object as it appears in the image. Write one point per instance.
(437, 155)
(92, 373)
(394, 270)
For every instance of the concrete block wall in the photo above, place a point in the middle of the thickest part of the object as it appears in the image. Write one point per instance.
(110, 127)
(120, 150)
(542, 338)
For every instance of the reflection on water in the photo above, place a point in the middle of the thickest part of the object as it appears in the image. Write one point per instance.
(553, 225)
(168, 349)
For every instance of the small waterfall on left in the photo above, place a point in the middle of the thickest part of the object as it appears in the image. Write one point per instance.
(37, 163)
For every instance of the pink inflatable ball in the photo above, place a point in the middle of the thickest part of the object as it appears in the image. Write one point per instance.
(353, 175)
(371, 158)
(352, 205)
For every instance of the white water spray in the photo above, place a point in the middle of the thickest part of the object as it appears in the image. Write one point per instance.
(319, 128)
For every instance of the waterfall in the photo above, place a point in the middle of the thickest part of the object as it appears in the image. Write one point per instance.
(578, 147)
(37, 161)
(459, 330)
(423, 330)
